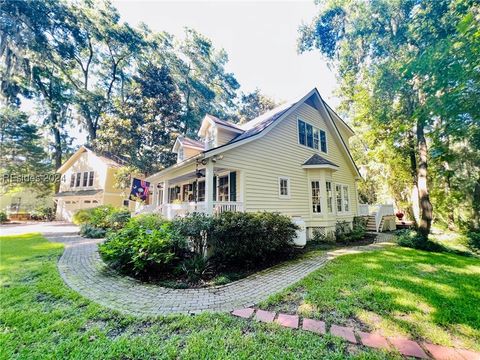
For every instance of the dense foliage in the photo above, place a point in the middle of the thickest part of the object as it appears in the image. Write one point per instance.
(240, 239)
(96, 221)
(147, 246)
(408, 73)
(3, 217)
(198, 247)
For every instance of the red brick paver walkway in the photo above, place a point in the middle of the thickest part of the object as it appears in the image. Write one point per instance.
(406, 347)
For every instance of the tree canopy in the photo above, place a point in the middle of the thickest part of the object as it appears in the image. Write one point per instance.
(408, 72)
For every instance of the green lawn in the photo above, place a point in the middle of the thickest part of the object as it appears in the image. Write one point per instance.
(42, 318)
(431, 296)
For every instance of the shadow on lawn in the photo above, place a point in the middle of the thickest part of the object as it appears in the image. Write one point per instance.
(424, 294)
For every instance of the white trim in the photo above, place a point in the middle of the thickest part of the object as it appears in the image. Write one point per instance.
(321, 166)
(310, 181)
(342, 185)
(319, 137)
(280, 196)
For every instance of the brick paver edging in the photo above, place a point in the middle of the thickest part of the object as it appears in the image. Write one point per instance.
(405, 347)
(82, 269)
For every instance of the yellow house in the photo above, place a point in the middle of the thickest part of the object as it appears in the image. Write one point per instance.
(87, 180)
(293, 159)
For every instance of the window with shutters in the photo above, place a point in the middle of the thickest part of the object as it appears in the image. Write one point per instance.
(222, 189)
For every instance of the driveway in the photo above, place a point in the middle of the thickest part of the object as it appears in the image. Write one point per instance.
(52, 227)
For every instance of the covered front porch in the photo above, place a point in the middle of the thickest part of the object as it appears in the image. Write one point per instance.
(205, 189)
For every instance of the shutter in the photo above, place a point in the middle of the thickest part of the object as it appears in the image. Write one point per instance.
(233, 186)
(195, 184)
(214, 188)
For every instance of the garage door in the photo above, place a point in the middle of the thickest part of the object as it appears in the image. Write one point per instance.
(67, 208)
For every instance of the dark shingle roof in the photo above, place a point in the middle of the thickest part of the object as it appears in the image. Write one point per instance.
(318, 160)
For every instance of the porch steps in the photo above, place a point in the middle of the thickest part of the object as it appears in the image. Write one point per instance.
(371, 223)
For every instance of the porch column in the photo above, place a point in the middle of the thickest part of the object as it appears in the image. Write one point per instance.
(209, 187)
(165, 206)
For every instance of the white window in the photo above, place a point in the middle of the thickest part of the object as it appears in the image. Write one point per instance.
(328, 186)
(342, 197)
(311, 136)
(85, 179)
(284, 187)
(90, 178)
(346, 202)
(316, 198)
(210, 140)
(77, 180)
(180, 154)
(338, 194)
(72, 180)
(222, 188)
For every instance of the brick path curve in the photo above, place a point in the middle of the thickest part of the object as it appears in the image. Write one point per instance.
(82, 269)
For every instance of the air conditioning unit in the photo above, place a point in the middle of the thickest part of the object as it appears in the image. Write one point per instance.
(301, 236)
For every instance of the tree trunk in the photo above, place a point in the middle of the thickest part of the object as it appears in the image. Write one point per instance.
(414, 211)
(476, 205)
(57, 154)
(426, 208)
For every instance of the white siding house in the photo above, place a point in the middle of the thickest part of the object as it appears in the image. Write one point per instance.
(293, 159)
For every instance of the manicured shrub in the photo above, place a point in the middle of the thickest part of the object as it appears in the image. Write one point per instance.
(3, 217)
(104, 217)
(246, 240)
(117, 218)
(411, 239)
(195, 227)
(89, 231)
(145, 247)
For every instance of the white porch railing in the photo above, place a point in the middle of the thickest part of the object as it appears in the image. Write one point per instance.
(379, 211)
(383, 210)
(222, 206)
(171, 211)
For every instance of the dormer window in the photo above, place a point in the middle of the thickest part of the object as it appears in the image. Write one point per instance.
(210, 139)
(180, 154)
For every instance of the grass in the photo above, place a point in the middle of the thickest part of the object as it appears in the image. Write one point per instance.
(41, 318)
(396, 291)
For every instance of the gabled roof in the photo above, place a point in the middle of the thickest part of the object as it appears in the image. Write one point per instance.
(316, 159)
(262, 124)
(187, 142)
(318, 162)
(105, 157)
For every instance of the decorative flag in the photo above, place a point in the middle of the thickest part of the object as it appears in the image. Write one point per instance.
(140, 190)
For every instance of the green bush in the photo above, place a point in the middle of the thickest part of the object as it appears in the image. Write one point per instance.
(195, 268)
(146, 246)
(45, 213)
(245, 240)
(117, 218)
(89, 231)
(3, 217)
(473, 240)
(104, 218)
(411, 239)
(81, 216)
(195, 227)
(346, 233)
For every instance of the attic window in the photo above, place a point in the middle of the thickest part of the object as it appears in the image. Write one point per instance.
(180, 153)
(311, 136)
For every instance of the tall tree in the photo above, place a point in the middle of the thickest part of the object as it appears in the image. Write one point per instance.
(383, 53)
(254, 104)
(143, 128)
